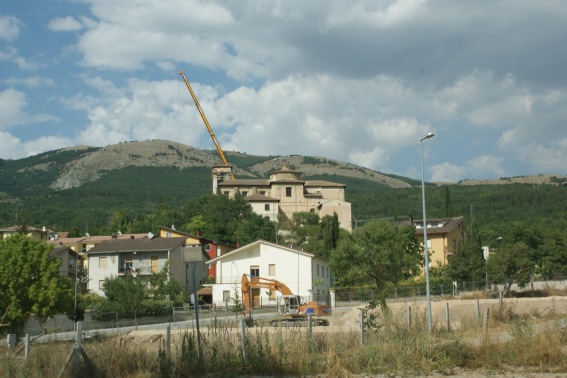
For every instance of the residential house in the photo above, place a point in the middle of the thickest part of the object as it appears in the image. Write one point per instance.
(143, 257)
(84, 243)
(32, 232)
(286, 193)
(212, 248)
(69, 259)
(305, 274)
(444, 235)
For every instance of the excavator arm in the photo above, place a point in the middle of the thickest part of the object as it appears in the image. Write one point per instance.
(262, 283)
(211, 133)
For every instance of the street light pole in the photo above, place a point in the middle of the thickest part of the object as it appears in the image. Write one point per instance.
(425, 248)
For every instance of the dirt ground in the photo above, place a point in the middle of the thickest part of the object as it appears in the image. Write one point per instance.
(460, 311)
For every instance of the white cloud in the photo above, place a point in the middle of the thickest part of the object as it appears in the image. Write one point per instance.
(10, 54)
(12, 108)
(11, 146)
(30, 81)
(9, 28)
(485, 166)
(64, 24)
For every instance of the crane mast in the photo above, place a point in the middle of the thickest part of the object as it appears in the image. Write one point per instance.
(211, 133)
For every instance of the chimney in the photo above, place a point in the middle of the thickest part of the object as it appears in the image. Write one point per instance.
(237, 244)
(198, 232)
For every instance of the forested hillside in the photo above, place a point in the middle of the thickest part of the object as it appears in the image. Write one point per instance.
(137, 178)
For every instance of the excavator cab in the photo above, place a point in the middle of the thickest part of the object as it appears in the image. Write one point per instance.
(289, 305)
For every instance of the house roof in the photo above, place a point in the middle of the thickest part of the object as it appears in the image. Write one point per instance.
(245, 182)
(260, 198)
(136, 245)
(445, 225)
(201, 238)
(29, 228)
(257, 243)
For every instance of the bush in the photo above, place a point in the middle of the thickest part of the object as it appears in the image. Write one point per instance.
(103, 310)
(152, 307)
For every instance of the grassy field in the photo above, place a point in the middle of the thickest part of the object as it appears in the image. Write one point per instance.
(535, 346)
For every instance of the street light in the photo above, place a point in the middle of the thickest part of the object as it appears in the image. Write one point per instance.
(486, 253)
(425, 249)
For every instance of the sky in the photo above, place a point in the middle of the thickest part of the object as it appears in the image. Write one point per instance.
(356, 81)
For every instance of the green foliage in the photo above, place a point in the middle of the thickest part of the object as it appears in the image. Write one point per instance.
(330, 231)
(104, 310)
(380, 253)
(153, 307)
(30, 282)
(235, 302)
(164, 288)
(230, 220)
(511, 264)
(126, 294)
(466, 263)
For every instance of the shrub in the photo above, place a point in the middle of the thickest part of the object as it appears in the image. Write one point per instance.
(152, 307)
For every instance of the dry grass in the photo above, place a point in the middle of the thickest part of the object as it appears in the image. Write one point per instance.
(531, 343)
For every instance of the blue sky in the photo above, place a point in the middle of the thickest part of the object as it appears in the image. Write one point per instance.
(356, 81)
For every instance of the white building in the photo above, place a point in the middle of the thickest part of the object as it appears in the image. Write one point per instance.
(304, 273)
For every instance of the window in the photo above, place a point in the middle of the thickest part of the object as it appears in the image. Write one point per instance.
(226, 296)
(207, 247)
(288, 191)
(101, 285)
(244, 194)
(254, 271)
(317, 270)
(267, 207)
(226, 193)
(272, 269)
(102, 262)
(263, 192)
(155, 264)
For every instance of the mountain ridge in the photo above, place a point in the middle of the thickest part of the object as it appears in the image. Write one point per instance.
(92, 163)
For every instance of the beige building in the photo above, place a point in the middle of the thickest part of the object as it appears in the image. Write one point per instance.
(286, 193)
(444, 235)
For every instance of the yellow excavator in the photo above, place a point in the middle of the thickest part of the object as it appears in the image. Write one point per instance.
(293, 309)
(211, 133)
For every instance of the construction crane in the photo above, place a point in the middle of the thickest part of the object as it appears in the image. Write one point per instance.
(211, 133)
(293, 310)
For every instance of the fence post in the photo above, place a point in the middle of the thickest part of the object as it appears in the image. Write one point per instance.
(485, 320)
(447, 317)
(11, 340)
(333, 298)
(361, 327)
(309, 324)
(167, 340)
(478, 309)
(243, 341)
(409, 316)
(27, 346)
(500, 298)
(78, 348)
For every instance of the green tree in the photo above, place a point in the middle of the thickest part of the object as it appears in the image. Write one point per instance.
(511, 264)
(330, 231)
(30, 282)
(229, 220)
(126, 294)
(161, 287)
(380, 253)
(466, 263)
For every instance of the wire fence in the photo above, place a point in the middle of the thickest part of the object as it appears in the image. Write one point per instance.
(343, 298)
